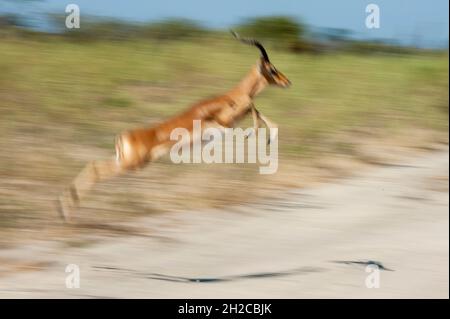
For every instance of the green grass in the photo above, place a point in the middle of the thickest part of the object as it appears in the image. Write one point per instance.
(85, 93)
(91, 85)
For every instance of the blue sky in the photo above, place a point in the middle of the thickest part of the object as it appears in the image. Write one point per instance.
(417, 22)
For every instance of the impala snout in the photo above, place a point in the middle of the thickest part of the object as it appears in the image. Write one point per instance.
(284, 82)
(277, 78)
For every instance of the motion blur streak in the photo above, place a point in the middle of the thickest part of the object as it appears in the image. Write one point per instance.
(362, 174)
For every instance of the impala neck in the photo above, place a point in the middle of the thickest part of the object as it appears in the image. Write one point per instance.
(252, 84)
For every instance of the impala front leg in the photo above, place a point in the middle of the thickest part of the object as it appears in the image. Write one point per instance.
(255, 121)
(273, 128)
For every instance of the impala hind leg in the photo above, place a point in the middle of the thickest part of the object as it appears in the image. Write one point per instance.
(92, 173)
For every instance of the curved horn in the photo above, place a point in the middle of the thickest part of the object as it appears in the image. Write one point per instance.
(252, 42)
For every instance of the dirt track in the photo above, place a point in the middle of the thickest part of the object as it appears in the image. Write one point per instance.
(308, 243)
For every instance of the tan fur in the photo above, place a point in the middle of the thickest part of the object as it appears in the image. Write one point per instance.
(135, 148)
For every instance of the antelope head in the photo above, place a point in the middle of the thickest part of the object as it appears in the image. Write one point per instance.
(267, 69)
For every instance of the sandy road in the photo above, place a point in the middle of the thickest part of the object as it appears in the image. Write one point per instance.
(308, 243)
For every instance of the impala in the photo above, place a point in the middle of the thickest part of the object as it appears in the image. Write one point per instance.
(135, 148)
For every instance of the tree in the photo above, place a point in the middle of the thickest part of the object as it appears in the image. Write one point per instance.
(282, 31)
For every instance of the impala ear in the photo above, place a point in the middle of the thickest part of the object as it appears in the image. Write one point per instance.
(263, 65)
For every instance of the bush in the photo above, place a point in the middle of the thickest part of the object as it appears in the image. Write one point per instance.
(282, 32)
(173, 29)
(100, 29)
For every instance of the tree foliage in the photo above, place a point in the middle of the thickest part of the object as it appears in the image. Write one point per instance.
(280, 30)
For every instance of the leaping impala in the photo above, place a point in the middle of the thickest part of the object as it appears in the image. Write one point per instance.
(135, 148)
